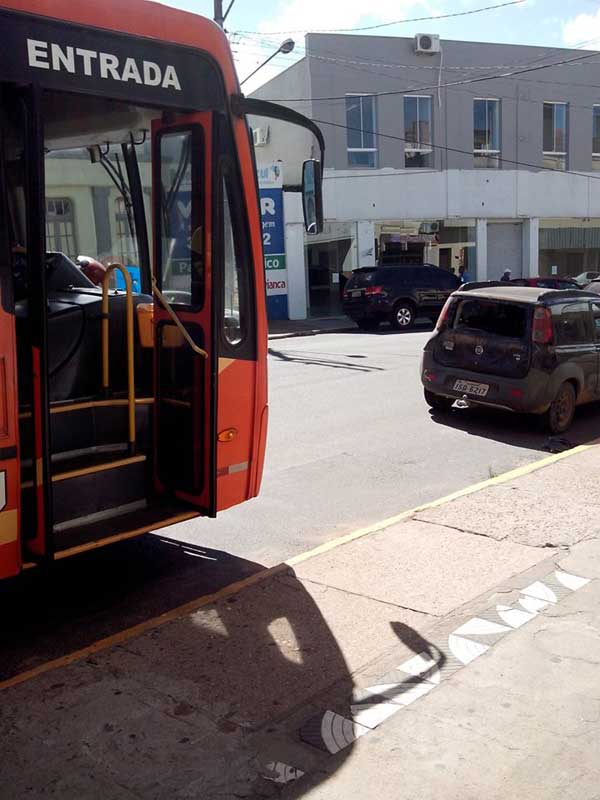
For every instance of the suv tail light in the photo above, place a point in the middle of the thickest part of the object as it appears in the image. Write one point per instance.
(541, 332)
(374, 290)
(441, 323)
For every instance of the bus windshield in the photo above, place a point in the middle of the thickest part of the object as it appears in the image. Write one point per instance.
(97, 194)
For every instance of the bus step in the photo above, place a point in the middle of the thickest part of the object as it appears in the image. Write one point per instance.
(90, 423)
(119, 526)
(93, 483)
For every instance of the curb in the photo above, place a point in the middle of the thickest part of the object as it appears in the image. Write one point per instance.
(312, 332)
(279, 569)
(519, 472)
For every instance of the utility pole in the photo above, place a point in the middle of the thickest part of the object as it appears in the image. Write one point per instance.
(219, 18)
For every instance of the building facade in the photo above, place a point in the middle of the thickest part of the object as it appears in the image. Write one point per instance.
(431, 156)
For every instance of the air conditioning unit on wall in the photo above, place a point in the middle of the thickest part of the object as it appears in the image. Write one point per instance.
(427, 43)
(260, 136)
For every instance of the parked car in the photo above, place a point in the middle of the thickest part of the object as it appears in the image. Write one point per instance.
(524, 349)
(548, 282)
(398, 294)
(593, 286)
(585, 277)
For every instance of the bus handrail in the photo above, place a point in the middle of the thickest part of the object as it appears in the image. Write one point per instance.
(130, 345)
(181, 327)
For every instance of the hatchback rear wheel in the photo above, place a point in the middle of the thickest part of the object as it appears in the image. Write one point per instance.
(403, 316)
(562, 409)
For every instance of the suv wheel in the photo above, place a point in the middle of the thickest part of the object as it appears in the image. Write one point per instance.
(437, 401)
(403, 316)
(368, 324)
(562, 409)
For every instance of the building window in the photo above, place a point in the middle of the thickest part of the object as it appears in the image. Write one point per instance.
(486, 132)
(60, 226)
(125, 239)
(360, 121)
(417, 131)
(555, 135)
(596, 139)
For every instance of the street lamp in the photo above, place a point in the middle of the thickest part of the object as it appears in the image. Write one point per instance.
(285, 47)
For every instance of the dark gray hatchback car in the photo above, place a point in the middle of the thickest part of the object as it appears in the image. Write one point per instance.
(518, 348)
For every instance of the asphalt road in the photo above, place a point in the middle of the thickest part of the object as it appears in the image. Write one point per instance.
(351, 442)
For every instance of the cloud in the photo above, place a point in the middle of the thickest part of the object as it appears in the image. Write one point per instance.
(582, 28)
(295, 15)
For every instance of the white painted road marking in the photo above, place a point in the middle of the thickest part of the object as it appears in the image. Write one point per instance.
(375, 704)
(278, 772)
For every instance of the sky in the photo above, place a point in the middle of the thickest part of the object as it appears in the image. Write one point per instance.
(257, 28)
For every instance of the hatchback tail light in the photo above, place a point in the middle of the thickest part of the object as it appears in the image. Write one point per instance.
(441, 323)
(370, 290)
(541, 332)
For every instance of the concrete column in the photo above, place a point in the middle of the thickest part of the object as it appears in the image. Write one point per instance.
(531, 247)
(365, 234)
(294, 254)
(481, 249)
(296, 270)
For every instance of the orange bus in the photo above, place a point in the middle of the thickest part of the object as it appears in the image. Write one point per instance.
(133, 334)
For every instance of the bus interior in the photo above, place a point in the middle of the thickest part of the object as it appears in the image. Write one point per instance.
(100, 461)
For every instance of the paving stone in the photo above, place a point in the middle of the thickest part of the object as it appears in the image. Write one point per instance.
(431, 568)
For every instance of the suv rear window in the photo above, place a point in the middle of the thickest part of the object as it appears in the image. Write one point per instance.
(497, 319)
(361, 277)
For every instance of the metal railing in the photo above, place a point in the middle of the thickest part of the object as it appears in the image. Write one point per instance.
(179, 324)
(130, 346)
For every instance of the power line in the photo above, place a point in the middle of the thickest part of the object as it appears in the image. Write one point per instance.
(266, 44)
(355, 65)
(447, 149)
(463, 82)
(396, 22)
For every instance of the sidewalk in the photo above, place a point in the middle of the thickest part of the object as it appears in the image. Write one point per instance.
(286, 328)
(450, 652)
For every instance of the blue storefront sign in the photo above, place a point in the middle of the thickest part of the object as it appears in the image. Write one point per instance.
(270, 182)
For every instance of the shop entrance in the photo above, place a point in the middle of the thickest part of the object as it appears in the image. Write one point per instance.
(328, 271)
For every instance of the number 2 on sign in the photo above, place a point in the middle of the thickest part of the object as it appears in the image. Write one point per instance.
(266, 238)
(2, 490)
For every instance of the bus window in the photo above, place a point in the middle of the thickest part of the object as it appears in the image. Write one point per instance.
(234, 311)
(181, 267)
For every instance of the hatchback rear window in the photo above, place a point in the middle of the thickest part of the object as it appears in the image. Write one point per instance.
(497, 319)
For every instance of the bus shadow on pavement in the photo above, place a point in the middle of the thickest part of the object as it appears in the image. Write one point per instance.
(205, 705)
(521, 430)
(82, 599)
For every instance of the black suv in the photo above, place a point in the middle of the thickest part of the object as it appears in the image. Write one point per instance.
(398, 294)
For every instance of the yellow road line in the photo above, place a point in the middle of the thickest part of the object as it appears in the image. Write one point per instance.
(226, 591)
(475, 487)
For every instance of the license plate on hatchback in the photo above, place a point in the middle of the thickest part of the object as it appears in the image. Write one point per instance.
(468, 387)
(356, 293)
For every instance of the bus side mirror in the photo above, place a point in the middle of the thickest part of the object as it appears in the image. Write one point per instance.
(312, 196)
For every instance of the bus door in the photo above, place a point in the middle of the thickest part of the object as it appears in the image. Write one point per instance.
(208, 420)
(10, 550)
(184, 352)
(23, 341)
